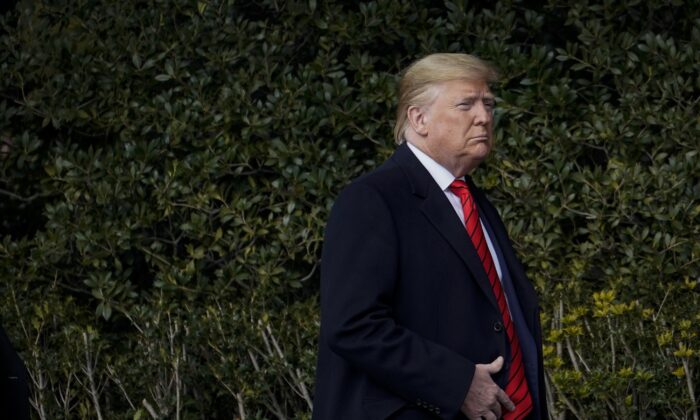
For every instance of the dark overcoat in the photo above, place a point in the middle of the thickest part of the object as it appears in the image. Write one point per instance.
(406, 307)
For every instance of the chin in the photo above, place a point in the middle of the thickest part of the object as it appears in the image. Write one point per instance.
(481, 152)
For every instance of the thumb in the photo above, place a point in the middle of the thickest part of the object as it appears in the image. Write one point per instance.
(495, 366)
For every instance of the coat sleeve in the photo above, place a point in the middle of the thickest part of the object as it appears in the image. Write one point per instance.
(359, 273)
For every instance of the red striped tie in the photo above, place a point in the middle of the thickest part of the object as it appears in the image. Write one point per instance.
(516, 388)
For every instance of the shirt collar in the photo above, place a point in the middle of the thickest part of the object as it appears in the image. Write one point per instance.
(442, 176)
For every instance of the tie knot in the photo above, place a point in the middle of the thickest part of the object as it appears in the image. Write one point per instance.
(460, 189)
(458, 184)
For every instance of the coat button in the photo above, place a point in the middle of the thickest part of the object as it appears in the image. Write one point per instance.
(497, 326)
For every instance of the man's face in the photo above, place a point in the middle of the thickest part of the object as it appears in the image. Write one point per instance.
(459, 125)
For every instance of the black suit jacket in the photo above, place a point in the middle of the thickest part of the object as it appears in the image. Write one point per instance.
(14, 392)
(406, 307)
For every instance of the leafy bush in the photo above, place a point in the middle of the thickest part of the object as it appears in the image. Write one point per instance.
(167, 169)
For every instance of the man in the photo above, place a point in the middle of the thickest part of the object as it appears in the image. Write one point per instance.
(425, 310)
(14, 391)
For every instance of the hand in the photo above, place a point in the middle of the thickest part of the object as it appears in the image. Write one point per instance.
(484, 398)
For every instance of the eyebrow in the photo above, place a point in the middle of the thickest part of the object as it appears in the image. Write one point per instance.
(475, 97)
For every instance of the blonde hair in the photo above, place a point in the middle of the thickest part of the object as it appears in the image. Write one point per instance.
(417, 80)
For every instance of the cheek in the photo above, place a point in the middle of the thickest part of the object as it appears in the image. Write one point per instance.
(447, 130)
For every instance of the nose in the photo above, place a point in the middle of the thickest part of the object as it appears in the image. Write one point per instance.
(482, 114)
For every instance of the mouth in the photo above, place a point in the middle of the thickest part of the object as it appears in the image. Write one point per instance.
(483, 138)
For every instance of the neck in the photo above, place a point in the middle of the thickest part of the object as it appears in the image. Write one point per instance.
(456, 168)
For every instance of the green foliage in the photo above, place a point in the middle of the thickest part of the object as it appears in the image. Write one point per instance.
(168, 167)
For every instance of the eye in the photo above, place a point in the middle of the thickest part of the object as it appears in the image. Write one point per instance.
(489, 104)
(466, 104)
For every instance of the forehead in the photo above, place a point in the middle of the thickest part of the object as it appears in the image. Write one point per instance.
(463, 88)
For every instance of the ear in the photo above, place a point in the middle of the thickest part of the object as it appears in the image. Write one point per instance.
(418, 119)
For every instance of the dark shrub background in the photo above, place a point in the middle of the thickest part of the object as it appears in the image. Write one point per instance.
(167, 168)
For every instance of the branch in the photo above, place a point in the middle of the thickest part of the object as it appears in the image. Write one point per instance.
(24, 199)
(89, 371)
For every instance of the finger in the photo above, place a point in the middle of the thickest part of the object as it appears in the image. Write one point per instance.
(502, 398)
(497, 410)
(490, 416)
(495, 366)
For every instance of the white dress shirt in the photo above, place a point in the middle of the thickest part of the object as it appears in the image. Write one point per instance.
(444, 178)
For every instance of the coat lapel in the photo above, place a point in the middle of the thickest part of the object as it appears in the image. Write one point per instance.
(438, 210)
(527, 297)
